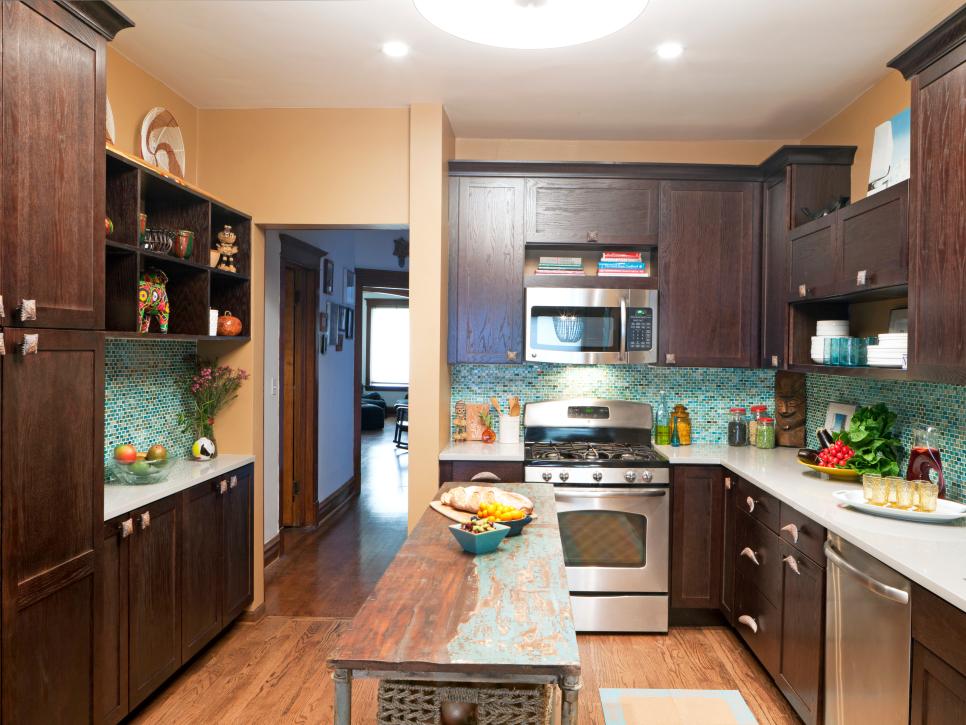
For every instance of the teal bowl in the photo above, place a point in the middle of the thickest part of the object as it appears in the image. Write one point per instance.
(516, 527)
(480, 543)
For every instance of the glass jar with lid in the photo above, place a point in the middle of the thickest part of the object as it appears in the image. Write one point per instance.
(680, 426)
(766, 432)
(738, 428)
(757, 413)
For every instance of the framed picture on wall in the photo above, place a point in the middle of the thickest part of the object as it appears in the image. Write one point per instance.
(324, 341)
(328, 276)
(333, 321)
(350, 323)
(349, 290)
(324, 321)
(338, 343)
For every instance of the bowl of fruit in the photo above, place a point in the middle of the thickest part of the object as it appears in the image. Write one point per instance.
(135, 469)
(479, 536)
(830, 461)
(505, 514)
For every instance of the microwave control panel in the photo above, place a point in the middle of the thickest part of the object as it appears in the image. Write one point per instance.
(640, 328)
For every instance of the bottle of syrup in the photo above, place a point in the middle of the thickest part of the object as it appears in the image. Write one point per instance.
(925, 461)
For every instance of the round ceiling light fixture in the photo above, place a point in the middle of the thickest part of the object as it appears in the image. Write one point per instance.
(530, 24)
(395, 49)
(670, 50)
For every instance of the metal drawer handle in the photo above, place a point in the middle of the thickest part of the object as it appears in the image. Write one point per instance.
(748, 552)
(596, 493)
(862, 278)
(592, 236)
(793, 530)
(751, 504)
(145, 520)
(126, 528)
(2, 311)
(670, 359)
(27, 310)
(873, 585)
(30, 345)
(775, 361)
(792, 563)
(727, 483)
(749, 622)
(3, 345)
(234, 482)
(223, 487)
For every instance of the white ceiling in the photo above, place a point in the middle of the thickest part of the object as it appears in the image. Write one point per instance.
(752, 69)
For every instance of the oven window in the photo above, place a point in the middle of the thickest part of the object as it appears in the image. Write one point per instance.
(603, 538)
(575, 329)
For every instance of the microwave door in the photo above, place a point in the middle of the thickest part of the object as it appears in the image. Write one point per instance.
(574, 326)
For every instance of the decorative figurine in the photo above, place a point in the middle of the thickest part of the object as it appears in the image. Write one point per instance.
(790, 409)
(229, 325)
(184, 244)
(459, 421)
(153, 300)
(400, 250)
(227, 249)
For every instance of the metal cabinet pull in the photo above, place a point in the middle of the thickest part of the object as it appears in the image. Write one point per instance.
(793, 530)
(30, 345)
(862, 278)
(751, 504)
(728, 483)
(803, 290)
(223, 487)
(775, 361)
(27, 310)
(145, 520)
(511, 355)
(593, 236)
(670, 359)
(234, 482)
(2, 311)
(748, 552)
(749, 622)
(792, 563)
(3, 345)
(126, 528)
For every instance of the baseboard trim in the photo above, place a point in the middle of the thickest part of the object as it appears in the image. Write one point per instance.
(333, 504)
(253, 616)
(273, 548)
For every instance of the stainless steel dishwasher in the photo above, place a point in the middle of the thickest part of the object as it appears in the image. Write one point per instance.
(868, 629)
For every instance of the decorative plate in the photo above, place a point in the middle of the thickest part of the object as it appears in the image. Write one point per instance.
(842, 474)
(945, 510)
(109, 131)
(161, 141)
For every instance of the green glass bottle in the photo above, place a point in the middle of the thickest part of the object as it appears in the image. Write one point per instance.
(662, 422)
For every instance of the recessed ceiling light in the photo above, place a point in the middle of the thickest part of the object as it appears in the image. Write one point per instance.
(530, 24)
(395, 49)
(670, 50)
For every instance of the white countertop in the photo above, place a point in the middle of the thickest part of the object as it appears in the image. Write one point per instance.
(932, 555)
(119, 498)
(479, 451)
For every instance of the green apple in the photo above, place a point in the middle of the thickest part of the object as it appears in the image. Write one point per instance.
(140, 468)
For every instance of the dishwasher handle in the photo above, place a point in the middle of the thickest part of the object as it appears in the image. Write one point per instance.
(873, 585)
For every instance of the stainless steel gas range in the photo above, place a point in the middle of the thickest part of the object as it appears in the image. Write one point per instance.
(613, 505)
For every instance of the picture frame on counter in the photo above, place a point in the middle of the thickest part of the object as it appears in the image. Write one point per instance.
(838, 417)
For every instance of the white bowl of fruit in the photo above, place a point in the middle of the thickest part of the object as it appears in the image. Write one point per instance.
(134, 468)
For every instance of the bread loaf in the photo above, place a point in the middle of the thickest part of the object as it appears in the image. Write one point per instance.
(469, 498)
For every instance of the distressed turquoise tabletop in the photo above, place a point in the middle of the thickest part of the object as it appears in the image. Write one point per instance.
(438, 609)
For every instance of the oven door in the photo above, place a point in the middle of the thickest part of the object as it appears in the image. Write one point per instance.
(615, 540)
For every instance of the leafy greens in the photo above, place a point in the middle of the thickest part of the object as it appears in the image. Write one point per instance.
(871, 436)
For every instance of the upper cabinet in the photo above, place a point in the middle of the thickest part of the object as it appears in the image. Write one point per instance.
(936, 64)
(709, 260)
(581, 211)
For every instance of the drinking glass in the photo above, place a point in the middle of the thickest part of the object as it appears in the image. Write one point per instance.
(892, 487)
(879, 491)
(905, 494)
(928, 495)
(869, 484)
(827, 351)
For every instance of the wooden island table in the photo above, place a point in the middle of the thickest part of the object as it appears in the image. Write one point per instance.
(440, 614)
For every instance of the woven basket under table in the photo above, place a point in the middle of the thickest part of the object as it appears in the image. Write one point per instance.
(418, 703)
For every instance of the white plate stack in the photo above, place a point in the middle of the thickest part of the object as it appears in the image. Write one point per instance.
(892, 351)
(825, 329)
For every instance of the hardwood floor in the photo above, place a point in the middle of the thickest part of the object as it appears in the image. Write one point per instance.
(273, 671)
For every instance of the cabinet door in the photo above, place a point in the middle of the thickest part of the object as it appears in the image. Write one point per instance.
(52, 227)
(937, 279)
(201, 569)
(506, 471)
(774, 305)
(237, 545)
(874, 241)
(578, 211)
(486, 272)
(938, 690)
(728, 549)
(697, 522)
(110, 663)
(51, 494)
(709, 273)
(154, 600)
(813, 261)
(803, 632)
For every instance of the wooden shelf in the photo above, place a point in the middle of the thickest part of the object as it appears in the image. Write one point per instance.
(866, 372)
(590, 282)
(123, 335)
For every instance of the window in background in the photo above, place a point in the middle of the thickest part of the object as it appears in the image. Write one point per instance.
(387, 356)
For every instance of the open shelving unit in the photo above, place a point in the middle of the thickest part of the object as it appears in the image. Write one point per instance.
(194, 287)
(590, 254)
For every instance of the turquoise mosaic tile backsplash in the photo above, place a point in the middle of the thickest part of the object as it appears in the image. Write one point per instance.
(142, 397)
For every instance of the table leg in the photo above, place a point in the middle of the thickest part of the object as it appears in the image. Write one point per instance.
(569, 688)
(343, 696)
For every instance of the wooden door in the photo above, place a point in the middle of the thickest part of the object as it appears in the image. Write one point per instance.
(873, 240)
(813, 259)
(728, 552)
(774, 305)
(697, 523)
(237, 542)
(486, 272)
(709, 278)
(110, 663)
(51, 495)
(581, 211)
(154, 600)
(803, 633)
(52, 140)
(299, 404)
(938, 689)
(201, 569)
(937, 244)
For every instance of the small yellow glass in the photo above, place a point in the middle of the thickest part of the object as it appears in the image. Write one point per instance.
(878, 491)
(905, 494)
(892, 488)
(928, 495)
(869, 483)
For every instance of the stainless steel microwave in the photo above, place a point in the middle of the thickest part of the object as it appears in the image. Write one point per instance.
(591, 326)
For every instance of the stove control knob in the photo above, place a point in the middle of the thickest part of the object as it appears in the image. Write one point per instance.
(630, 476)
(598, 476)
(546, 476)
(647, 476)
(564, 476)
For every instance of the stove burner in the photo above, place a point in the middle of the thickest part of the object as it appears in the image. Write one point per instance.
(549, 451)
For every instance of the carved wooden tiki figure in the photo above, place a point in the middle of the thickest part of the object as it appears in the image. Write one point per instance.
(790, 409)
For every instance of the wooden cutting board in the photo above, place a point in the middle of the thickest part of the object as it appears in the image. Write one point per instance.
(474, 426)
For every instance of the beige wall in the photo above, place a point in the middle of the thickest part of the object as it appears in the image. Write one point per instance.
(133, 93)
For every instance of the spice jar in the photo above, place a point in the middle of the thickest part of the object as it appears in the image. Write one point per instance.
(766, 432)
(680, 426)
(757, 413)
(738, 428)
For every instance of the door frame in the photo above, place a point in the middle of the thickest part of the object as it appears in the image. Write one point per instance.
(367, 278)
(297, 253)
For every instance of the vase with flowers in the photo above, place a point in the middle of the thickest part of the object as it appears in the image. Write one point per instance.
(210, 387)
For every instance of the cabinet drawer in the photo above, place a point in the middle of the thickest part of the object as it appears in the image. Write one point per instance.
(811, 262)
(762, 506)
(764, 570)
(506, 471)
(759, 623)
(802, 533)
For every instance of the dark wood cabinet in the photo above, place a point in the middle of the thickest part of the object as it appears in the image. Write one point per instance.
(237, 545)
(757, 557)
(111, 654)
(709, 273)
(697, 522)
(758, 623)
(874, 242)
(730, 515)
(581, 211)
(938, 660)
(812, 269)
(506, 471)
(201, 542)
(486, 253)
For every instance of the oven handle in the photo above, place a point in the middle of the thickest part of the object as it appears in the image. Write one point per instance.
(608, 493)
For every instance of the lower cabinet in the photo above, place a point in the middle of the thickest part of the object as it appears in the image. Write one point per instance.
(697, 507)
(938, 661)
(505, 471)
(173, 575)
(728, 548)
